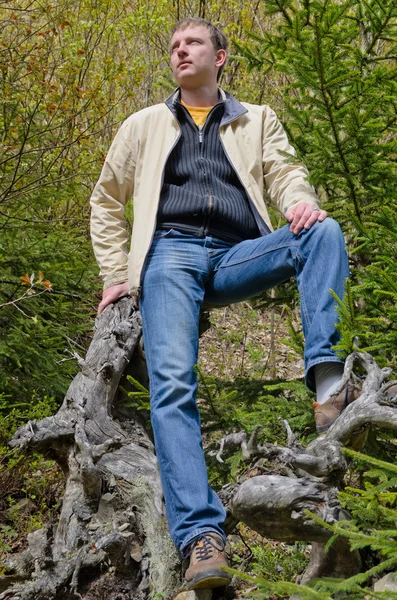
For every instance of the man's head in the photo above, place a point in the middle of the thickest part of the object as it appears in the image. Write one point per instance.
(187, 34)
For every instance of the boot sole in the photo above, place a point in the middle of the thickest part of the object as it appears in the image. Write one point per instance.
(323, 428)
(208, 580)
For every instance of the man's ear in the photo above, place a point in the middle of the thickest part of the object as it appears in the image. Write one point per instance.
(220, 58)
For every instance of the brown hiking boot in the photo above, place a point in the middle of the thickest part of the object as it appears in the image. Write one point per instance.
(391, 391)
(360, 436)
(206, 561)
(326, 414)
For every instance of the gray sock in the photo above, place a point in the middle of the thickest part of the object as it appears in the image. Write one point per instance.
(328, 376)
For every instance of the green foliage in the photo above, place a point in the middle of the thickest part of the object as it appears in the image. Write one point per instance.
(373, 508)
(337, 66)
(12, 417)
(374, 293)
(7, 534)
(245, 402)
(139, 397)
(40, 333)
(278, 561)
(25, 479)
(338, 61)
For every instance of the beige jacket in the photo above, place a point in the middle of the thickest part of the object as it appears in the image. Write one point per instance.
(255, 143)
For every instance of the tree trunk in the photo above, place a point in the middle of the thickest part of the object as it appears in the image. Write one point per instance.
(112, 535)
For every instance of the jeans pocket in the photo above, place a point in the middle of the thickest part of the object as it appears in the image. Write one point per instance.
(161, 233)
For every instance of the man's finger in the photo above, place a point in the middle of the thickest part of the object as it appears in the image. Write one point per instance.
(295, 213)
(112, 294)
(104, 303)
(317, 215)
(304, 216)
(299, 220)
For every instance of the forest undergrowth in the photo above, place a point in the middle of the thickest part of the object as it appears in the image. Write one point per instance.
(329, 70)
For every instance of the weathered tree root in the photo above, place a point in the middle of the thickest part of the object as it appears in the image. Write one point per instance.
(276, 506)
(112, 537)
(112, 517)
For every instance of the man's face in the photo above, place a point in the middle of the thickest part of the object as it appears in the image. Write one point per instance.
(194, 60)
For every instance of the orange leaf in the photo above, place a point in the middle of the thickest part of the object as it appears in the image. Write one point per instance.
(25, 279)
(41, 276)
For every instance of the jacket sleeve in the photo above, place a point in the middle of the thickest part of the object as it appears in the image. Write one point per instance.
(108, 201)
(285, 178)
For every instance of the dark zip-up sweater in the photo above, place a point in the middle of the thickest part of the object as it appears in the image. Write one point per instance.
(201, 192)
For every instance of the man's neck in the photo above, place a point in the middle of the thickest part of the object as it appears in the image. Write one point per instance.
(200, 97)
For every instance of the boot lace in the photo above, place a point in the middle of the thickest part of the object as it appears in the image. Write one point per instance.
(204, 546)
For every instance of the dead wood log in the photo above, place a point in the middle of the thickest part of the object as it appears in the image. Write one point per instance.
(112, 537)
(112, 534)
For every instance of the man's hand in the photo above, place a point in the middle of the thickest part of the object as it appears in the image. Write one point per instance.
(304, 215)
(112, 294)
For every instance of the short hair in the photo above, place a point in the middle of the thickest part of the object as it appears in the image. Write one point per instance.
(218, 38)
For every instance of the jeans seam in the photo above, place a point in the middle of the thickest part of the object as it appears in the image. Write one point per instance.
(305, 312)
(170, 505)
(249, 258)
(171, 501)
(304, 307)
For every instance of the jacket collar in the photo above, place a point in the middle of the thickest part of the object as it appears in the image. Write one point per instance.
(232, 107)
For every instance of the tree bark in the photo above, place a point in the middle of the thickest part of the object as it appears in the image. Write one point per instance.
(112, 538)
(112, 534)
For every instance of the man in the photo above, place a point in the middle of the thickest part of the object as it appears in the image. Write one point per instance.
(196, 167)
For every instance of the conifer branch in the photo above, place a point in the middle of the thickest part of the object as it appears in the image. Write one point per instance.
(332, 122)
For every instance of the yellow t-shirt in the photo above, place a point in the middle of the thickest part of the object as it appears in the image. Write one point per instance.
(199, 114)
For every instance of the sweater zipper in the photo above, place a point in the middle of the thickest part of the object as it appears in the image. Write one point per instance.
(210, 199)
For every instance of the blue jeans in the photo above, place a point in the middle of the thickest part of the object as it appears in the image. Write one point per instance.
(180, 272)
